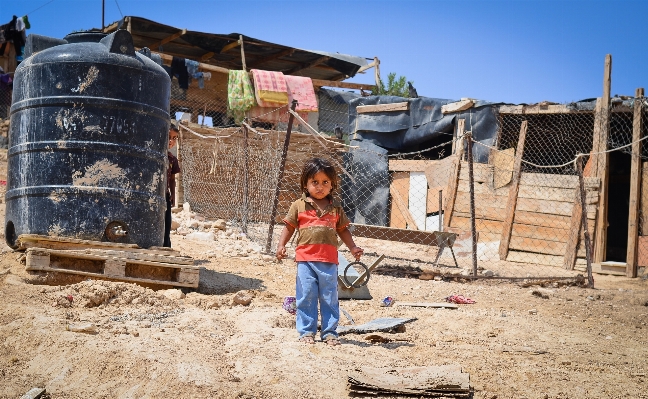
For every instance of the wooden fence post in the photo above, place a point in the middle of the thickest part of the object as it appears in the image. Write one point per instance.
(601, 133)
(635, 186)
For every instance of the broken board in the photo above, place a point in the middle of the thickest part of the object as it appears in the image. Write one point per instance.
(429, 305)
(122, 262)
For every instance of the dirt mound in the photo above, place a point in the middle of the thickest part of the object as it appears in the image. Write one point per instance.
(95, 293)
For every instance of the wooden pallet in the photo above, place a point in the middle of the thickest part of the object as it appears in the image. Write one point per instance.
(123, 262)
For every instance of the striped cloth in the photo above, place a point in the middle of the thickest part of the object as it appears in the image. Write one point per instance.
(270, 88)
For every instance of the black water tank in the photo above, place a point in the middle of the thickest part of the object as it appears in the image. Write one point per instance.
(88, 143)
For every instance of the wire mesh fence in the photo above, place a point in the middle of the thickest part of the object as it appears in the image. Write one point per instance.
(508, 206)
(513, 214)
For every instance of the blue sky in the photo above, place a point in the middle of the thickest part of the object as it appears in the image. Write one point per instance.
(508, 51)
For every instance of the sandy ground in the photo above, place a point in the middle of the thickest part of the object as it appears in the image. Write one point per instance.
(561, 342)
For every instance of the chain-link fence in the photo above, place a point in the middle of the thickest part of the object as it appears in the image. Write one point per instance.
(513, 214)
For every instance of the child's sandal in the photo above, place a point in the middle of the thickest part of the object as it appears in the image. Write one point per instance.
(307, 339)
(332, 341)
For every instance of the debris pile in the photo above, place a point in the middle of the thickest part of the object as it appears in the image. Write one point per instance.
(232, 242)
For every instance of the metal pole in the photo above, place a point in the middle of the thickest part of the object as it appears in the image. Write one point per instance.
(246, 178)
(440, 210)
(282, 167)
(103, 13)
(471, 182)
(588, 244)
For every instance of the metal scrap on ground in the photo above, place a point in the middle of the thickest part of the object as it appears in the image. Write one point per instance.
(384, 324)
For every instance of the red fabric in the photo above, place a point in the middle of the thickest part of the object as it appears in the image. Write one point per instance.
(459, 299)
(317, 253)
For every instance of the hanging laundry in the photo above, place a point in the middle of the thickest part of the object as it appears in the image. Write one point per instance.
(192, 70)
(179, 70)
(26, 21)
(270, 88)
(300, 88)
(240, 95)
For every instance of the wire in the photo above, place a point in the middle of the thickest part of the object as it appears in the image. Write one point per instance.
(31, 12)
(119, 8)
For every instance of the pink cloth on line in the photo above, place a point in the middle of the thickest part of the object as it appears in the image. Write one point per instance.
(300, 88)
(270, 88)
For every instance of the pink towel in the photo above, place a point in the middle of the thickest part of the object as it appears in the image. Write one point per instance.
(270, 88)
(301, 89)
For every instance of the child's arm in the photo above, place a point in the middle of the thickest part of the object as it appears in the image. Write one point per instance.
(283, 240)
(347, 239)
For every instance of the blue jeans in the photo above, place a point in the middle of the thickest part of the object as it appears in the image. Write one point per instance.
(317, 281)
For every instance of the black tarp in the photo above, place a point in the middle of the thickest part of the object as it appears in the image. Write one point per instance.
(378, 134)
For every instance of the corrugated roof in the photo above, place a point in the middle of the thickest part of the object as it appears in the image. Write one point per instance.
(211, 48)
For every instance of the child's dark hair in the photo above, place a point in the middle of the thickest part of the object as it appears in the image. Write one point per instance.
(315, 165)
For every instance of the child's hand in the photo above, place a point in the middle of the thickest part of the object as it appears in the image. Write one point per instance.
(357, 252)
(281, 252)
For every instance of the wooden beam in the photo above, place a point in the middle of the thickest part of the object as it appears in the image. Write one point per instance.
(576, 223)
(513, 194)
(230, 46)
(370, 65)
(377, 71)
(342, 85)
(206, 67)
(635, 186)
(453, 184)
(261, 61)
(311, 64)
(601, 131)
(167, 39)
(364, 109)
(432, 238)
(207, 56)
(243, 67)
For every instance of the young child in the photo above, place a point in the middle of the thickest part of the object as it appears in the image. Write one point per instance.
(319, 220)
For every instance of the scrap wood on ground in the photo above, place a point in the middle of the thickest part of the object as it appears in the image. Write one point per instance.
(431, 381)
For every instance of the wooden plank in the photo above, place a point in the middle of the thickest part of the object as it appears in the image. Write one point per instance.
(536, 109)
(115, 267)
(403, 208)
(445, 305)
(418, 198)
(503, 162)
(513, 194)
(535, 259)
(490, 227)
(433, 197)
(538, 246)
(601, 130)
(96, 256)
(635, 185)
(156, 45)
(393, 107)
(609, 268)
(342, 85)
(482, 172)
(408, 165)
(558, 181)
(531, 192)
(399, 189)
(431, 238)
(574, 232)
(230, 46)
(453, 183)
(203, 66)
(540, 233)
(130, 279)
(457, 106)
(539, 219)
